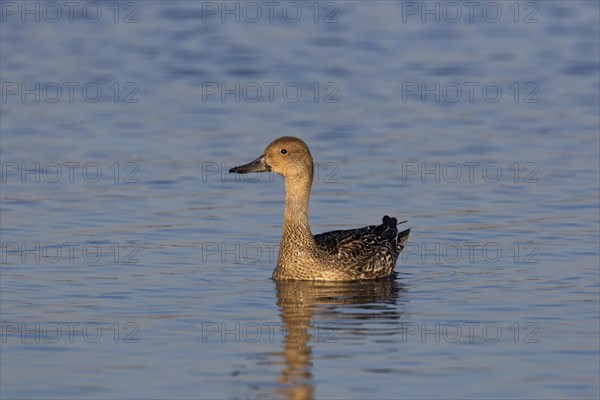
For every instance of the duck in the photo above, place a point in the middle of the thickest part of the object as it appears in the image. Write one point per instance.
(359, 254)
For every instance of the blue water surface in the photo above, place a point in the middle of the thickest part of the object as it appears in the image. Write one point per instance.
(135, 266)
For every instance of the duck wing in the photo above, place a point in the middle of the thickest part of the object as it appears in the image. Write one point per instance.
(373, 248)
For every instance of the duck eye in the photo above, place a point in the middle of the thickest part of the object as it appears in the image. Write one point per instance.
(283, 151)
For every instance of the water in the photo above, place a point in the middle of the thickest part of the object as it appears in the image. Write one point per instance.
(135, 267)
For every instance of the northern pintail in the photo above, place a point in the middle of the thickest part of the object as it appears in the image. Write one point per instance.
(345, 255)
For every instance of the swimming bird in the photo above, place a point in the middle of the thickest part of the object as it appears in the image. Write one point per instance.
(344, 255)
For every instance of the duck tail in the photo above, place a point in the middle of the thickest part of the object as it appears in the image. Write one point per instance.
(402, 238)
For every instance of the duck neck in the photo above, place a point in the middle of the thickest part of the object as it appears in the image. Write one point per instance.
(295, 218)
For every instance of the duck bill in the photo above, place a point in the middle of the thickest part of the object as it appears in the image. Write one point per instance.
(258, 165)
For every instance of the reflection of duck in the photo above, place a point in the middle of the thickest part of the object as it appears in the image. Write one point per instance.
(301, 301)
(346, 255)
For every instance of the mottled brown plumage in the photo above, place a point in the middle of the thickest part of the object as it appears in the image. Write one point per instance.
(346, 255)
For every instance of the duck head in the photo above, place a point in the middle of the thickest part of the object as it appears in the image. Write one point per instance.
(287, 156)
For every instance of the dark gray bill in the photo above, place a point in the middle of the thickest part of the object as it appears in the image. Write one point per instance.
(258, 165)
